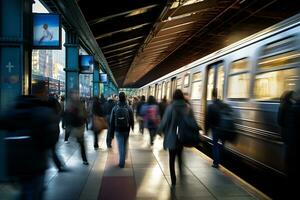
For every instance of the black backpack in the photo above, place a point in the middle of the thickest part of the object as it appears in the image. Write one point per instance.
(226, 125)
(121, 118)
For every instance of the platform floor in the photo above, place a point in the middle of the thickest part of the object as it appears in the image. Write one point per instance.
(145, 176)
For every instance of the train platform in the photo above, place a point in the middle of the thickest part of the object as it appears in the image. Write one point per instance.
(145, 176)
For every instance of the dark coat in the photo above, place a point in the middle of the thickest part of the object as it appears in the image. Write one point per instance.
(169, 123)
(213, 115)
(33, 119)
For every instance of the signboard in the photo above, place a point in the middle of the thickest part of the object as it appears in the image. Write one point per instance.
(103, 78)
(86, 64)
(46, 31)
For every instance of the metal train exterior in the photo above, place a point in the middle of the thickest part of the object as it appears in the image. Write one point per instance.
(250, 75)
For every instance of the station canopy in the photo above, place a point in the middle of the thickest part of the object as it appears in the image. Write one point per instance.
(143, 40)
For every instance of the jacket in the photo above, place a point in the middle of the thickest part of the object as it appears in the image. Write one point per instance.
(169, 123)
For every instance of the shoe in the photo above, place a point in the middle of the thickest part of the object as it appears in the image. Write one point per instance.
(109, 146)
(96, 148)
(85, 163)
(121, 166)
(215, 166)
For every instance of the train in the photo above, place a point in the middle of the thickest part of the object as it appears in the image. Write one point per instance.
(250, 75)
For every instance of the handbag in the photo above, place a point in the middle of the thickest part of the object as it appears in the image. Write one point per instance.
(99, 123)
(188, 130)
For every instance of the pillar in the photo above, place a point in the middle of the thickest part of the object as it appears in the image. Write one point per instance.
(15, 56)
(96, 80)
(72, 62)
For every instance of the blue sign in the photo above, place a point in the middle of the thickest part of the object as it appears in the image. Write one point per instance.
(103, 78)
(86, 64)
(46, 31)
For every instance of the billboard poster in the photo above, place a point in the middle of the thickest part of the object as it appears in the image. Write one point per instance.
(46, 31)
(86, 64)
(103, 78)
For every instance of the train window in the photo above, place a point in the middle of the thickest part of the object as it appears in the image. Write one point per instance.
(271, 85)
(280, 60)
(163, 90)
(186, 80)
(168, 90)
(279, 46)
(159, 93)
(210, 82)
(239, 79)
(220, 81)
(196, 86)
(178, 83)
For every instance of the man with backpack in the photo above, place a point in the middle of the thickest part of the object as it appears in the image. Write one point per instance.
(220, 121)
(121, 120)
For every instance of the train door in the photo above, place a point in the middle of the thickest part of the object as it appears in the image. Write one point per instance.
(214, 79)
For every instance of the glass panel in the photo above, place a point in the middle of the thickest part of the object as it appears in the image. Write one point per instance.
(196, 76)
(196, 90)
(159, 93)
(210, 82)
(239, 66)
(163, 89)
(238, 86)
(220, 81)
(168, 90)
(279, 60)
(270, 85)
(280, 45)
(186, 80)
(178, 83)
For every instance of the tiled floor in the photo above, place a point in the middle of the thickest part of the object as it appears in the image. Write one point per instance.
(145, 176)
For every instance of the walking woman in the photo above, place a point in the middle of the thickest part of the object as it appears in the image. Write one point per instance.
(169, 125)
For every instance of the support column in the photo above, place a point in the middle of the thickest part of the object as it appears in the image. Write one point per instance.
(15, 57)
(72, 63)
(96, 80)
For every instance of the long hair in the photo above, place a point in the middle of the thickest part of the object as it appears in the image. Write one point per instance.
(178, 95)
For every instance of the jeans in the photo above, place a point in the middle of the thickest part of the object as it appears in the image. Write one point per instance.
(122, 139)
(141, 126)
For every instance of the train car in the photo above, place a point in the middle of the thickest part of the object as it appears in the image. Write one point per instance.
(250, 75)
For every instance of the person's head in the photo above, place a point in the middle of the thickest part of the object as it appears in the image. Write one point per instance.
(164, 99)
(40, 89)
(286, 96)
(45, 26)
(214, 94)
(143, 98)
(122, 97)
(151, 100)
(186, 96)
(178, 95)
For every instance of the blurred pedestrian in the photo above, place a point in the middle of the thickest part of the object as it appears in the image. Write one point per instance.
(76, 115)
(169, 126)
(162, 106)
(288, 119)
(121, 120)
(32, 129)
(109, 105)
(98, 111)
(151, 117)
(56, 106)
(139, 116)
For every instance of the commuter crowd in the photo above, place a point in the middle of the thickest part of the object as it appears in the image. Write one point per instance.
(32, 129)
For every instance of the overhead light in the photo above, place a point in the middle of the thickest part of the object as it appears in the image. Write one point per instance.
(187, 2)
